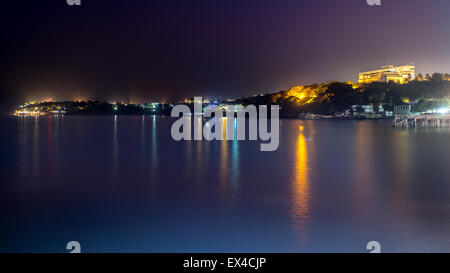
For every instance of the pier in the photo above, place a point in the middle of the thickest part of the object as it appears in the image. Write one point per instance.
(422, 121)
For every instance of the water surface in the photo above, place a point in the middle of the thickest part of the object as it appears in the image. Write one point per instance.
(121, 184)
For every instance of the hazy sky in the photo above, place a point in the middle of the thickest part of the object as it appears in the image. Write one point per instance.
(153, 50)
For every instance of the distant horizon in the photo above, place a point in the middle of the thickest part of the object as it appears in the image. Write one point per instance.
(123, 100)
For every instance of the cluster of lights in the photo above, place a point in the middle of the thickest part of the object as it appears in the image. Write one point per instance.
(304, 94)
(27, 113)
(441, 111)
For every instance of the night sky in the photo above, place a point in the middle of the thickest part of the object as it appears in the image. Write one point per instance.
(167, 50)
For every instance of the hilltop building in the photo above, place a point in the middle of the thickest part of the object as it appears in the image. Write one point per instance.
(398, 74)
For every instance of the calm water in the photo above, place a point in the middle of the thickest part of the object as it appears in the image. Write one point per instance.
(123, 185)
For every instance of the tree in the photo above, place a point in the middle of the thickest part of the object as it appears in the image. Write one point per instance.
(427, 77)
(421, 106)
(376, 108)
(436, 77)
(419, 77)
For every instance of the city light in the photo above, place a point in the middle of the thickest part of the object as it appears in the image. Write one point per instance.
(443, 111)
(27, 113)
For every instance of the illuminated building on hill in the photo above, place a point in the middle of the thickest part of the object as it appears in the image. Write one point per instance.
(398, 74)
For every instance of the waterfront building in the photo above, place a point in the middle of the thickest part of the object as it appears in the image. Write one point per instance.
(388, 113)
(398, 74)
(402, 110)
(366, 109)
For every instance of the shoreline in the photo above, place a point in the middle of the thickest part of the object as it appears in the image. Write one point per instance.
(317, 117)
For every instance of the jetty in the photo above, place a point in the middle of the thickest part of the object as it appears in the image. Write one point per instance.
(422, 121)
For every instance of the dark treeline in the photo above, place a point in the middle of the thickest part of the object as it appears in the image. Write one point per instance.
(96, 107)
(327, 99)
(332, 97)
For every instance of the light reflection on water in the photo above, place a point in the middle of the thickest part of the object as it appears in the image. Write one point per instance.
(35, 149)
(301, 196)
(122, 184)
(154, 149)
(115, 149)
(224, 171)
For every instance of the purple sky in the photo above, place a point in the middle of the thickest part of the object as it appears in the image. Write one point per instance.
(153, 50)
